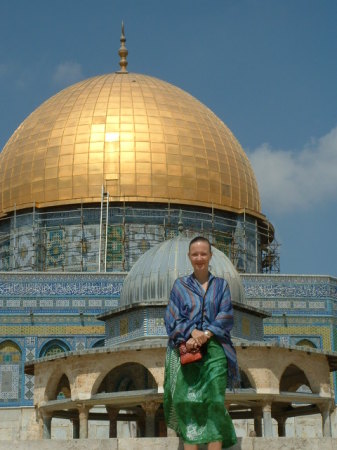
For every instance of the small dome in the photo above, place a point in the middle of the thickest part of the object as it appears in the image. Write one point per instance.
(152, 277)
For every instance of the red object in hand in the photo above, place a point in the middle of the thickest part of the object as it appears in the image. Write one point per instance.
(186, 356)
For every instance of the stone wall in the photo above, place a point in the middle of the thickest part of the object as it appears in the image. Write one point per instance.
(170, 444)
(20, 424)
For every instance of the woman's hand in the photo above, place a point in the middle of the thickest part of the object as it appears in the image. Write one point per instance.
(191, 345)
(200, 337)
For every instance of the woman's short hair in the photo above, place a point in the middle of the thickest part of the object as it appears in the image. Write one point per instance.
(200, 239)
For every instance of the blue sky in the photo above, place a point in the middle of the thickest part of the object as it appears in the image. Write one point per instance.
(267, 68)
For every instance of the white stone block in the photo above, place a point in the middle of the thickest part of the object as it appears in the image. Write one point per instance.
(150, 444)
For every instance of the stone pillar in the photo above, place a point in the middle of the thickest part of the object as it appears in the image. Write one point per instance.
(281, 426)
(150, 409)
(267, 422)
(112, 414)
(141, 424)
(326, 423)
(171, 433)
(257, 421)
(46, 425)
(258, 425)
(83, 419)
(40, 422)
(76, 428)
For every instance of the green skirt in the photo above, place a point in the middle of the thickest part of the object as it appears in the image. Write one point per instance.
(194, 397)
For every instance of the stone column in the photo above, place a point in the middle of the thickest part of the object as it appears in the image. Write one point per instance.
(141, 423)
(76, 428)
(258, 425)
(46, 425)
(281, 426)
(112, 414)
(267, 422)
(171, 433)
(326, 423)
(40, 422)
(83, 419)
(150, 409)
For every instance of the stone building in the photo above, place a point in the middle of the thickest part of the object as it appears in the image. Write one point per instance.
(126, 378)
(95, 177)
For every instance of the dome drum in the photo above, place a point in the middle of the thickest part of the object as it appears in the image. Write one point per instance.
(68, 239)
(146, 320)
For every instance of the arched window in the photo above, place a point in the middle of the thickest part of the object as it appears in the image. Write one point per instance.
(54, 347)
(10, 362)
(99, 343)
(306, 343)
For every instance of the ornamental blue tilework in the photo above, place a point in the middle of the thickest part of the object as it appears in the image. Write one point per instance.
(35, 307)
(39, 304)
(50, 292)
(303, 308)
(289, 286)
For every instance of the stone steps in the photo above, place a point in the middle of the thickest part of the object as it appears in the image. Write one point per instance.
(169, 444)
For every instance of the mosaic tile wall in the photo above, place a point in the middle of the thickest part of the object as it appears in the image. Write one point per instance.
(24, 254)
(16, 388)
(126, 327)
(247, 241)
(59, 292)
(247, 326)
(316, 292)
(334, 337)
(10, 358)
(42, 313)
(69, 240)
(302, 307)
(146, 322)
(5, 253)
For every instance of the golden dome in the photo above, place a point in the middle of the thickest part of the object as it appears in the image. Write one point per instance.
(144, 139)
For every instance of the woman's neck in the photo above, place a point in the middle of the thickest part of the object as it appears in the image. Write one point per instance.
(202, 277)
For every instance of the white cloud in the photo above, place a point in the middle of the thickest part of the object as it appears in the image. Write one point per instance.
(292, 180)
(67, 73)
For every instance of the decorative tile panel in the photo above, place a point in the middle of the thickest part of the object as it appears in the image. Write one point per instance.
(55, 249)
(60, 292)
(29, 387)
(5, 253)
(115, 247)
(9, 382)
(24, 252)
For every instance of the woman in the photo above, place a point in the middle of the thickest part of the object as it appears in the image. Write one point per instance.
(194, 393)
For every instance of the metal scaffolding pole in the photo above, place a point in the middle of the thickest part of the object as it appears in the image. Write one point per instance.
(256, 247)
(14, 238)
(100, 231)
(34, 240)
(106, 230)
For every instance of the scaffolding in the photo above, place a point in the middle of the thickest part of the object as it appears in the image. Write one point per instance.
(112, 236)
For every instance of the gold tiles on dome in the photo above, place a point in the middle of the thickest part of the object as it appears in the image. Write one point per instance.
(142, 138)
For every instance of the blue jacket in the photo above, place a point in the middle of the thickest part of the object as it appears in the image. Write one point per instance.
(183, 315)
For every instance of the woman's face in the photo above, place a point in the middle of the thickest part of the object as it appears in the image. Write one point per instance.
(200, 256)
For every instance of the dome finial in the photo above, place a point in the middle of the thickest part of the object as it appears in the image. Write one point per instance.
(123, 53)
